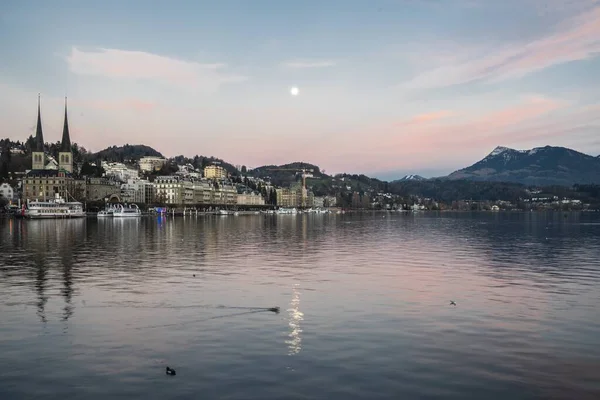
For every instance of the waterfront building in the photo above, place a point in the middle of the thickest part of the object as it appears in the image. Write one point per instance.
(250, 199)
(296, 196)
(203, 192)
(101, 188)
(286, 197)
(137, 191)
(169, 189)
(188, 191)
(225, 193)
(43, 183)
(319, 202)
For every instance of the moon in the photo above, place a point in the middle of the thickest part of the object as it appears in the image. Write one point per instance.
(294, 91)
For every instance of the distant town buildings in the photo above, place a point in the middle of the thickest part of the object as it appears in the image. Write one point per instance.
(188, 171)
(215, 172)
(7, 192)
(151, 164)
(169, 189)
(138, 191)
(97, 189)
(250, 199)
(187, 186)
(296, 196)
(119, 171)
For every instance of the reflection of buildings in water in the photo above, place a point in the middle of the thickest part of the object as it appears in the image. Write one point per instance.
(47, 236)
(67, 290)
(126, 229)
(41, 270)
(44, 239)
(294, 341)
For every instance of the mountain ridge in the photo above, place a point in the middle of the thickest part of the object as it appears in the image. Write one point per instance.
(547, 165)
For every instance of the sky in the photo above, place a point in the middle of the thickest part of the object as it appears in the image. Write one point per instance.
(386, 88)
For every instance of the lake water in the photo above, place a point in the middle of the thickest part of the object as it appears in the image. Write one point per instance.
(96, 309)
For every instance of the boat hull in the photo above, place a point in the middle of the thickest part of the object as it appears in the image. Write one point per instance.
(53, 216)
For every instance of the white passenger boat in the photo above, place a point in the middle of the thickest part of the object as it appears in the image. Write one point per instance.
(104, 214)
(125, 211)
(53, 208)
(107, 212)
(285, 210)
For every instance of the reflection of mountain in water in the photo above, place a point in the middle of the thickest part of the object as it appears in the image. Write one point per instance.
(535, 242)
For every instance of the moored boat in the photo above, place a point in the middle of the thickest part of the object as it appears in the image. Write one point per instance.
(53, 208)
(125, 211)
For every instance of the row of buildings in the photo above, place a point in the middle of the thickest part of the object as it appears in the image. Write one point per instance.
(48, 177)
(211, 186)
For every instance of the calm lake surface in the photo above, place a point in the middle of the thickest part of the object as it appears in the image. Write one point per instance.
(96, 309)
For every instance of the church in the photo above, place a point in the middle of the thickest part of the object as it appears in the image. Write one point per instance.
(45, 179)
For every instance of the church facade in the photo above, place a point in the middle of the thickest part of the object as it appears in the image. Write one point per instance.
(43, 182)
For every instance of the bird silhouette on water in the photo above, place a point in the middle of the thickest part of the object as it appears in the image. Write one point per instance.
(170, 371)
(452, 303)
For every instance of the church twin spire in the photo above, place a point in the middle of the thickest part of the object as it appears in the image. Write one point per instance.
(65, 144)
(66, 160)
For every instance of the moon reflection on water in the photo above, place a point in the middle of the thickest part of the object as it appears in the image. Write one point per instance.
(294, 340)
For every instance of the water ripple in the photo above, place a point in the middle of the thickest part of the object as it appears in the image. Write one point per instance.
(97, 309)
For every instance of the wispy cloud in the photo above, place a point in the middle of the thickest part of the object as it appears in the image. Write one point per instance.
(577, 38)
(122, 105)
(429, 117)
(447, 139)
(302, 64)
(138, 65)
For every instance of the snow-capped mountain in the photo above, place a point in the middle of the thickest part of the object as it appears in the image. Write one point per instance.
(539, 166)
(413, 178)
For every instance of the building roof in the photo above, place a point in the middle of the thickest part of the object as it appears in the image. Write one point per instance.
(65, 144)
(47, 173)
(39, 137)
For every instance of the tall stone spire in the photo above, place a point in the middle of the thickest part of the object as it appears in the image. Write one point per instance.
(65, 155)
(38, 157)
(65, 144)
(39, 137)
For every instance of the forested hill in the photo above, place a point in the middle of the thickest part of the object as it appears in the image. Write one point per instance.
(125, 153)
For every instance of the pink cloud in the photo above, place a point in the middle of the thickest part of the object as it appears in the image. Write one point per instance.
(429, 117)
(121, 105)
(490, 130)
(122, 64)
(415, 145)
(573, 40)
